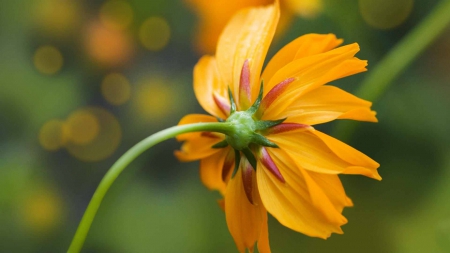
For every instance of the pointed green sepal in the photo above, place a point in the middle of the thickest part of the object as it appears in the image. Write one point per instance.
(232, 103)
(221, 144)
(264, 124)
(250, 157)
(257, 102)
(263, 141)
(220, 119)
(237, 161)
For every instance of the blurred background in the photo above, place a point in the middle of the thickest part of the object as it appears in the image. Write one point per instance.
(82, 81)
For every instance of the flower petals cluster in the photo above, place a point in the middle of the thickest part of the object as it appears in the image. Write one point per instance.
(295, 179)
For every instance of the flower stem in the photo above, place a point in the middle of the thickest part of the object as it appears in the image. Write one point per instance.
(127, 158)
(396, 61)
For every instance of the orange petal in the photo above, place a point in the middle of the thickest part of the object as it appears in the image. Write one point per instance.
(291, 203)
(326, 191)
(328, 199)
(263, 241)
(197, 145)
(321, 153)
(313, 72)
(213, 16)
(190, 119)
(209, 88)
(245, 221)
(328, 103)
(247, 36)
(197, 148)
(361, 164)
(332, 187)
(303, 46)
(212, 170)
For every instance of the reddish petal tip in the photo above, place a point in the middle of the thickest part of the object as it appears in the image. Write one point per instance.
(285, 127)
(270, 164)
(244, 85)
(275, 92)
(222, 104)
(247, 180)
(209, 135)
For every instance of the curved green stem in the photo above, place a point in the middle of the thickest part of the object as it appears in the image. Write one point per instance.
(127, 158)
(396, 61)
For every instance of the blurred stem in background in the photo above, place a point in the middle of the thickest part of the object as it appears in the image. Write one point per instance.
(127, 158)
(396, 61)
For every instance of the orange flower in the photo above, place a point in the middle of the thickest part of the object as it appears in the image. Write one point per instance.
(275, 161)
(214, 15)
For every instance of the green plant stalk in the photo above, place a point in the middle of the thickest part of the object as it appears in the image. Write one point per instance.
(398, 59)
(127, 158)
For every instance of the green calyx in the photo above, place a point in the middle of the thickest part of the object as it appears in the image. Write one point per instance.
(247, 126)
(246, 130)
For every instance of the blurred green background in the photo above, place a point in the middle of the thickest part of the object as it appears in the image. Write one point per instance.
(82, 81)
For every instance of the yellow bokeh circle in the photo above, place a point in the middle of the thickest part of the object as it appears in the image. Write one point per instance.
(154, 99)
(51, 135)
(42, 210)
(385, 14)
(48, 60)
(82, 126)
(305, 8)
(154, 33)
(116, 89)
(58, 18)
(108, 135)
(116, 14)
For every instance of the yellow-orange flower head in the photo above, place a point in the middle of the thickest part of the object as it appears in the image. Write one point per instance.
(275, 161)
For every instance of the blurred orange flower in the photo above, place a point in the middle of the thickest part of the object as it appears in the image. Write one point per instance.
(108, 47)
(214, 15)
(282, 165)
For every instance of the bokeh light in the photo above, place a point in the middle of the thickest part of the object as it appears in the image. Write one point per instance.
(83, 127)
(106, 140)
(48, 60)
(107, 46)
(42, 209)
(52, 136)
(56, 17)
(116, 14)
(154, 33)
(385, 14)
(304, 8)
(116, 88)
(154, 98)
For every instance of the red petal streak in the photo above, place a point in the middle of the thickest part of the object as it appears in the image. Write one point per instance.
(270, 164)
(222, 104)
(221, 203)
(228, 165)
(247, 179)
(273, 94)
(210, 135)
(244, 86)
(285, 127)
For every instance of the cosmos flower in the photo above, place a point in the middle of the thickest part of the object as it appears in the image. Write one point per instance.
(275, 160)
(214, 15)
